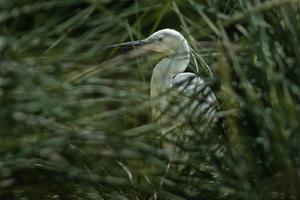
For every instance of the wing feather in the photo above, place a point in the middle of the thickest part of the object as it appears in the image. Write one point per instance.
(194, 97)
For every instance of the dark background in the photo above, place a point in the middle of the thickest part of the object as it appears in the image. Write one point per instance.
(76, 124)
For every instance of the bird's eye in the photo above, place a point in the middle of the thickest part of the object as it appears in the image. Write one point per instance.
(160, 39)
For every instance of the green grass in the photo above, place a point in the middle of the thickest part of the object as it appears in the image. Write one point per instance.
(75, 119)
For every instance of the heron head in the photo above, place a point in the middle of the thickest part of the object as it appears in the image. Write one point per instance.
(166, 41)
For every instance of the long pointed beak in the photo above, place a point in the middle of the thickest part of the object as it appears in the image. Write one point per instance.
(130, 44)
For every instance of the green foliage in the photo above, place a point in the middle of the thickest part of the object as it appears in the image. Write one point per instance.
(75, 119)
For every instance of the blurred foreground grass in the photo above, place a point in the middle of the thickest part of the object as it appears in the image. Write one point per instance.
(75, 125)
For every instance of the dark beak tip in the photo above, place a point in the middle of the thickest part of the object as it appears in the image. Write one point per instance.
(110, 46)
(130, 44)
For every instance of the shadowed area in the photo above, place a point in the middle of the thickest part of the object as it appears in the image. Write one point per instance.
(76, 118)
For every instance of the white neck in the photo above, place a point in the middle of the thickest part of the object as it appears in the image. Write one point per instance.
(165, 70)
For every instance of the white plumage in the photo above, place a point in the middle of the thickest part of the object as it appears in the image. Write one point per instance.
(178, 97)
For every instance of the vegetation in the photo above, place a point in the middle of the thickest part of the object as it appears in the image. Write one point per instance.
(75, 120)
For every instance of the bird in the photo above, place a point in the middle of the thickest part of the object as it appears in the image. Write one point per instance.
(178, 98)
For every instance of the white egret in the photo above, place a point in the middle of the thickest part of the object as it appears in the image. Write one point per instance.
(178, 96)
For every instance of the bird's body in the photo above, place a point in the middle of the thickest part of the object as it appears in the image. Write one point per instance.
(181, 95)
(178, 97)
